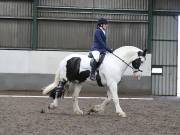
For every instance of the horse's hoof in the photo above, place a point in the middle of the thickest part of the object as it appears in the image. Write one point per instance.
(51, 107)
(92, 110)
(122, 114)
(79, 112)
(42, 111)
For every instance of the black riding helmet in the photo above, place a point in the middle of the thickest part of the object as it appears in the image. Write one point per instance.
(102, 21)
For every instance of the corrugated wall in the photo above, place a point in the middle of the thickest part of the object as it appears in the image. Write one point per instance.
(83, 21)
(167, 4)
(64, 35)
(15, 23)
(69, 24)
(134, 34)
(15, 33)
(165, 46)
(16, 8)
(108, 4)
(164, 54)
(123, 30)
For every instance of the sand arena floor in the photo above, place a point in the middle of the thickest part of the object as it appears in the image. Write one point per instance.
(21, 116)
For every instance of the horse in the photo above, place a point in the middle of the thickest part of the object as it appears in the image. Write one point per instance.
(75, 69)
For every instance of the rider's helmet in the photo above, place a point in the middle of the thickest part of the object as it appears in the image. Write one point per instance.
(101, 21)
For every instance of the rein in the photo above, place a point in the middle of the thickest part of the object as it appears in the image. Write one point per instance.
(127, 63)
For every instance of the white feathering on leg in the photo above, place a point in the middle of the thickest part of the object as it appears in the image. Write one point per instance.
(51, 86)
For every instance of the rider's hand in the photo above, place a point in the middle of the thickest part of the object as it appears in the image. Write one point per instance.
(111, 50)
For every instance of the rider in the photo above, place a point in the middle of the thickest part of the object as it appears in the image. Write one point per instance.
(99, 46)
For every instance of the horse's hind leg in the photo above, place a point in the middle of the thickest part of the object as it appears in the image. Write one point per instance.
(77, 89)
(114, 93)
(58, 92)
(54, 104)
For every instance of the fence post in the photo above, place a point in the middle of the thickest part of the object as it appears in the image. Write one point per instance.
(150, 24)
(34, 25)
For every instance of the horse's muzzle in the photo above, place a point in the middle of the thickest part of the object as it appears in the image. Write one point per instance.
(136, 75)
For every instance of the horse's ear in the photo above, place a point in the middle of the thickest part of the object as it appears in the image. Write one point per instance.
(144, 52)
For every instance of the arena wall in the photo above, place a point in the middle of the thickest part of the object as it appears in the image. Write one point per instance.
(32, 70)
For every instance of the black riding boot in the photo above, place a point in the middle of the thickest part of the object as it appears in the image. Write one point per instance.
(93, 70)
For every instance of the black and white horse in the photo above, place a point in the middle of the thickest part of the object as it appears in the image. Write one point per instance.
(75, 69)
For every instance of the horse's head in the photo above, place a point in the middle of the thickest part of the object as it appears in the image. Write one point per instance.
(131, 54)
(138, 61)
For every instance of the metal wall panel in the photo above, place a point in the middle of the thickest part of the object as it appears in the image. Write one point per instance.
(16, 8)
(83, 22)
(121, 4)
(92, 16)
(167, 4)
(165, 84)
(15, 33)
(121, 30)
(124, 29)
(125, 34)
(109, 4)
(15, 23)
(67, 3)
(64, 15)
(165, 28)
(164, 54)
(64, 35)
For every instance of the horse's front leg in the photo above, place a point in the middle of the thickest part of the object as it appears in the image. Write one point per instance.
(114, 93)
(77, 89)
(101, 107)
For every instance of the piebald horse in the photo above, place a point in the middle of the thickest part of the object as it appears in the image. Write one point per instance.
(75, 69)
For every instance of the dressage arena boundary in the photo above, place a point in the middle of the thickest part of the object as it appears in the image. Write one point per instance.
(22, 96)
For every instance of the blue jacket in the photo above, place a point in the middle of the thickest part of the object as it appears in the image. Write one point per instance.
(99, 43)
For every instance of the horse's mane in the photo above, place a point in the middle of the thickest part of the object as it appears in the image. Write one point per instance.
(126, 49)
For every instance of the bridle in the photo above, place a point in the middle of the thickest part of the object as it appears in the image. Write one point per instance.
(135, 70)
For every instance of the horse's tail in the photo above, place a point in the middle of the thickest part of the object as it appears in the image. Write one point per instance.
(51, 86)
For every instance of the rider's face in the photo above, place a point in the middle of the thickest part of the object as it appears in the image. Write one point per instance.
(105, 26)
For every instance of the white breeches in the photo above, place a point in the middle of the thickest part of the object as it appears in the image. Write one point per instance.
(96, 55)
